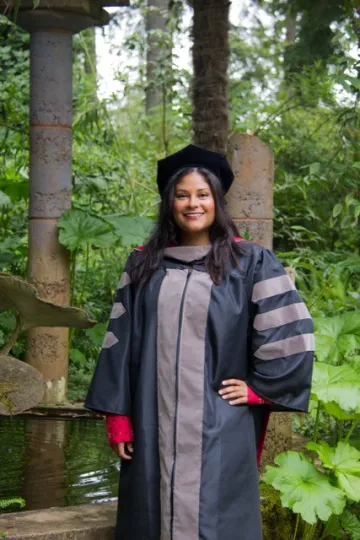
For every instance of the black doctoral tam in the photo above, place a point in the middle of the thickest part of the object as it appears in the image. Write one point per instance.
(194, 156)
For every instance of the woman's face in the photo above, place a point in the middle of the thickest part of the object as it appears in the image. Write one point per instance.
(194, 205)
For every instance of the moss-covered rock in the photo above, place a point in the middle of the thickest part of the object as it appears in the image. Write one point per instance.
(21, 386)
(278, 522)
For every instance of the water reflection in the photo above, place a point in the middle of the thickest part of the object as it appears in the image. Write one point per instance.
(56, 462)
(44, 476)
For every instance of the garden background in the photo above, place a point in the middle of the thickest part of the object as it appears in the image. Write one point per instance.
(293, 81)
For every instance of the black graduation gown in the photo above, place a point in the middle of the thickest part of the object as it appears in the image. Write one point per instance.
(169, 346)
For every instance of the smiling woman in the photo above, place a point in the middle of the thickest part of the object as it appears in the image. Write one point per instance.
(187, 375)
(194, 208)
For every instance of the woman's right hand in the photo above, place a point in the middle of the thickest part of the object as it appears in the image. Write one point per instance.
(124, 450)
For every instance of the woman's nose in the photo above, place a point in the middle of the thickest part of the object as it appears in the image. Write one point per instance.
(193, 202)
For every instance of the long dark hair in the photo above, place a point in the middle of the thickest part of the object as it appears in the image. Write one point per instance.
(224, 249)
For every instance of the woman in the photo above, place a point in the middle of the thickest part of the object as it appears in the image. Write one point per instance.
(206, 336)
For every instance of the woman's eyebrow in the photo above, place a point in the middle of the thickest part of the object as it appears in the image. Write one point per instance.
(178, 190)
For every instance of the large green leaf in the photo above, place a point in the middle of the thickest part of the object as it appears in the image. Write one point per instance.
(21, 386)
(335, 410)
(337, 336)
(18, 294)
(132, 230)
(16, 190)
(354, 81)
(96, 333)
(77, 356)
(338, 384)
(12, 248)
(4, 199)
(344, 460)
(304, 489)
(79, 229)
(333, 528)
(351, 524)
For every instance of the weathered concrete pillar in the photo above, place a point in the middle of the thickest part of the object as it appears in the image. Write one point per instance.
(50, 196)
(250, 199)
(250, 203)
(51, 26)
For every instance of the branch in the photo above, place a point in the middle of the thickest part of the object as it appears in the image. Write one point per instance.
(13, 338)
(274, 115)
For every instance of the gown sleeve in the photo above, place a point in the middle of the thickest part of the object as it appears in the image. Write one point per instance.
(281, 338)
(109, 390)
(254, 399)
(119, 429)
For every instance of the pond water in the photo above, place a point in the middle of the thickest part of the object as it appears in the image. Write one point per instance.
(56, 462)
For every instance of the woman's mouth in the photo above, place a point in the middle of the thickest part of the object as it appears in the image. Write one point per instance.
(194, 215)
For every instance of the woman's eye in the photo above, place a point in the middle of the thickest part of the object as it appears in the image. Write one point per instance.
(204, 195)
(181, 196)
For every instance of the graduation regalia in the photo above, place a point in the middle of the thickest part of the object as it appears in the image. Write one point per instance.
(168, 347)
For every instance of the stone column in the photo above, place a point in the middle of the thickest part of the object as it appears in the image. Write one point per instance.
(51, 26)
(250, 203)
(50, 196)
(51, 32)
(250, 199)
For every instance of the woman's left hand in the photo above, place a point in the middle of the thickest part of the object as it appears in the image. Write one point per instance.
(236, 390)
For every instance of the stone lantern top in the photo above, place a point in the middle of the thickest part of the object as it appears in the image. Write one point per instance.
(68, 15)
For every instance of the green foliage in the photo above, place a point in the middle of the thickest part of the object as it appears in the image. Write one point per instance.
(277, 521)
(303, 488)
(8, 503)
(287, 91)
(344, 462)
(319, 492)
(132, 230)
(351, 525)
(96, 334)
(336, 387)
(337, 337)
(345, 526)
(333, 527)
(14, 97)
(5, 503)
(77, 357)
(328, 281)
(79, 379)
(79, 229)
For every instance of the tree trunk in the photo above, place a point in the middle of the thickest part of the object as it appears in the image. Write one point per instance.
(156, 29)
(210, 59)
(290, 36)
(290, 29)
